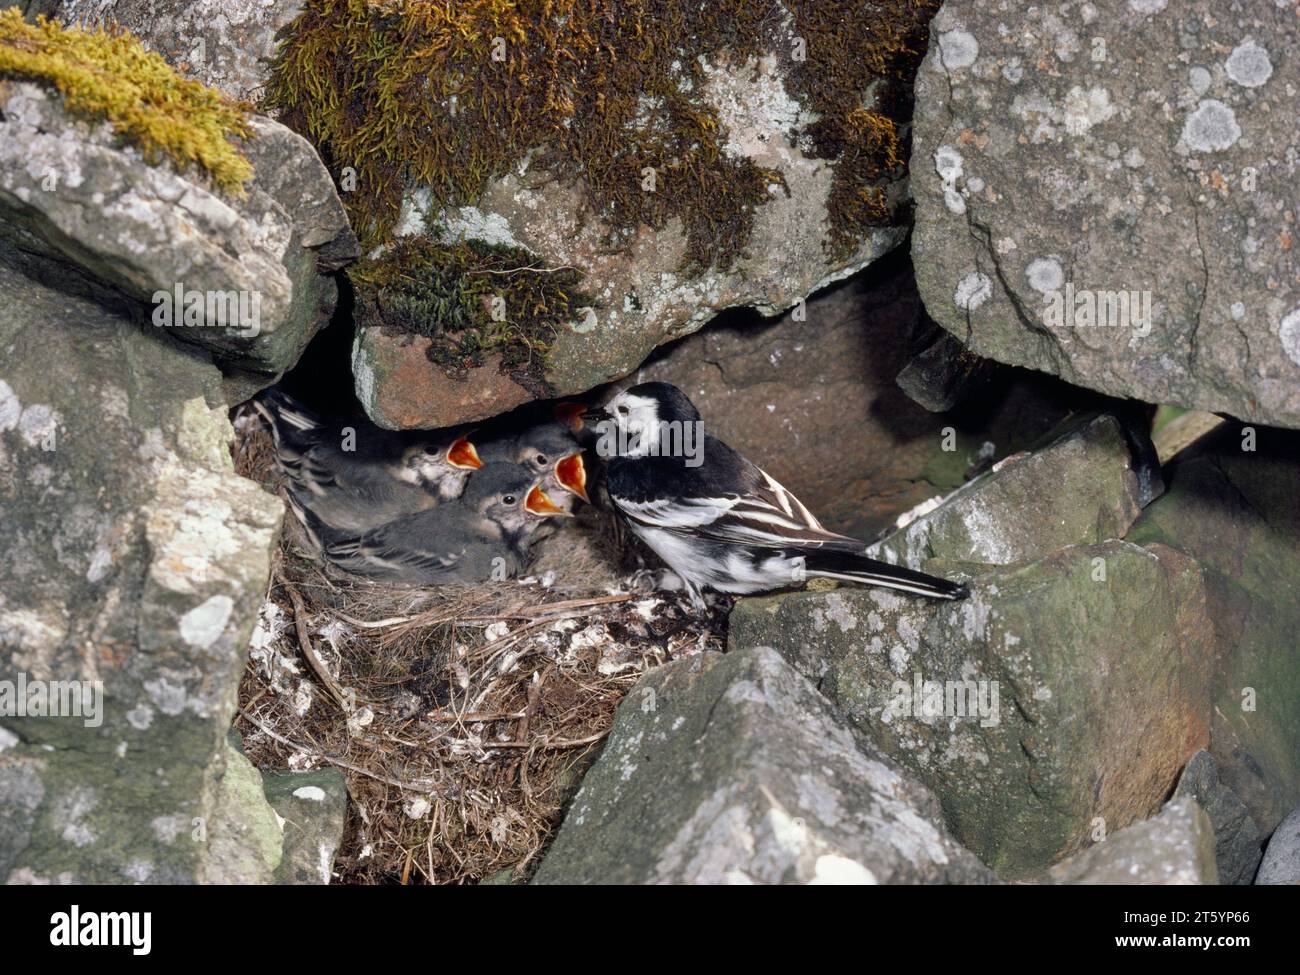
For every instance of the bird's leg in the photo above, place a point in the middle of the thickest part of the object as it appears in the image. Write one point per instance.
(697, 598)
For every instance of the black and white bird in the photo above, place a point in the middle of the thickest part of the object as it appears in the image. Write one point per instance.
(482, 535)
(723, 524)
(354, 477)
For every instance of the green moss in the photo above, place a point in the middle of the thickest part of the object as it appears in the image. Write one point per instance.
(855, 49)
(110, 76)
(410, 93)
(473, 299)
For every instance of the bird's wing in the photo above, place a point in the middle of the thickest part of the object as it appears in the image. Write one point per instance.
(764, 515)
(376, 554)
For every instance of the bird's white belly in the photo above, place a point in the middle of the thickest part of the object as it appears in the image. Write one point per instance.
(705, 565)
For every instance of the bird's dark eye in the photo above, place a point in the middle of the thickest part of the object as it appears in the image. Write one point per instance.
(542, 460)
(621, 411)
(509, 499)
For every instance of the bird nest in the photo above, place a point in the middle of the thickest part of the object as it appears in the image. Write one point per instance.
(461, 717)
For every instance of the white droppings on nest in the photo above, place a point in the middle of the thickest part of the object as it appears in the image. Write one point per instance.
(416, 808)
(302, 698)
(496, 631)
(645, 608)
(592, 636)
(615, 658)
(359, 720)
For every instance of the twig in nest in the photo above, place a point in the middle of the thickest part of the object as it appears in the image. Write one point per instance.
(528, 613)
(548, 746)
(425, 786)
(309, 649)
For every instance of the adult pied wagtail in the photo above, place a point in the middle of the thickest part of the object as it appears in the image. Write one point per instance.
(723, 524)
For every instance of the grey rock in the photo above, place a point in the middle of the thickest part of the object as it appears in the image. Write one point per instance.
(312, 807)
(733, 769)
(1174, 848)
(779, 392)
(1282, 858)
(70, 193)
(644, 294)
(1061, 693)
(1079, 489)
(1231, 506)
(227, 44)
(940, 374)
(1237, 841)
(135, 558)
(1076, 632)
(1126, 147)
(244, 842)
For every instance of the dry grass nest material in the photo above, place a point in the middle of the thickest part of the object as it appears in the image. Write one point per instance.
(461, 717)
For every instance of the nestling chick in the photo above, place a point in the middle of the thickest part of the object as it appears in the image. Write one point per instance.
(482, 535)
(360, 481)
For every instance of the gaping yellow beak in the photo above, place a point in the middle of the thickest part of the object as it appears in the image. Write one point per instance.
(538, 503)
(572, 474)
(463, 455)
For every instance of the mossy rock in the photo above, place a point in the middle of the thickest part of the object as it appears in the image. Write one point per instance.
(677, 159)
(110, 76)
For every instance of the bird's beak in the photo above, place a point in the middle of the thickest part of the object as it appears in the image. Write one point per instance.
(570, 414)
(537, 503)
(597, 414)
(463, 455)
(572, 474)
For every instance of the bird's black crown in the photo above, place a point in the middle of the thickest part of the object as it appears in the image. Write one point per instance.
(673, 404)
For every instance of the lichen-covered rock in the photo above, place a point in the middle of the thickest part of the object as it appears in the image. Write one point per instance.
(1231, 505)
(682, 158)
(136, 560)
(224, 43)
(1282, 857)
(780, 392)
(1065, 154)
(1175, 847)
(312, 807)
(251, 274)
(243, 841)
(1237, 841)
(733, 769)
(1079, 489)
(1062, 694)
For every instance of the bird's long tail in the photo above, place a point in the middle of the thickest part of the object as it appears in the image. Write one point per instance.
(319, 535)
(854, 567)
(292, 425)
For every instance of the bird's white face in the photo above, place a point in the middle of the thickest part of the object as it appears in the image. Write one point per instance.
(636, 419)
